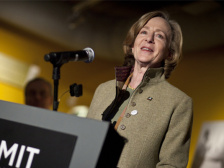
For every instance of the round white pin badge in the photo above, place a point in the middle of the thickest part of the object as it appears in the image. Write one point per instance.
(134, 112)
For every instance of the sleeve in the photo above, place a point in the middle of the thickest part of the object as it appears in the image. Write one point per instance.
(175, 147)
(92, 113)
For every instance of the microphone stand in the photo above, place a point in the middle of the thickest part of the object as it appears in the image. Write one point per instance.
(57, 62)
(56, 77)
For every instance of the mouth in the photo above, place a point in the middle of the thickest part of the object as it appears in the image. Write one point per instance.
(147, 49)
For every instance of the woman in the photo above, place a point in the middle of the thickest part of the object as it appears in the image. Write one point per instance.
(154, 116)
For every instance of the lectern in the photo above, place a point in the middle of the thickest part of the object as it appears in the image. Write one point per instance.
(32, 137)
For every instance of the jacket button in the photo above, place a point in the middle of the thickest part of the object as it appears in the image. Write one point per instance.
(133, 104)
(123, 127)
(128, 115)
(140, 91)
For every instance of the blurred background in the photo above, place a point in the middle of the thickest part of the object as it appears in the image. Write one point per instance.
(31, 29)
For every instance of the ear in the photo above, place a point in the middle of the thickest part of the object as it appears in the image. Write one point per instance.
(170, 56)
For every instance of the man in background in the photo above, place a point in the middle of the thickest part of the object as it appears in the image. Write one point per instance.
(38, 93)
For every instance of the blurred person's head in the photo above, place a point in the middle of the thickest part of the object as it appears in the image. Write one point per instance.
(38, 93)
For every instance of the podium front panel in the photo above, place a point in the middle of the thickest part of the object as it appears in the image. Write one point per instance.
(36, 137)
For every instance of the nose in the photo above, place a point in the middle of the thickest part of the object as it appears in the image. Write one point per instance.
(150, 38)
(37, 96)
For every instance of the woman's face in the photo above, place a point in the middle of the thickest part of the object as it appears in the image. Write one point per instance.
(151, 44)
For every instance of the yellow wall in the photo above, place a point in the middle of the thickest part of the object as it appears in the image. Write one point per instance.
(200, 75)
(6, 92)
(27, 49)
(30, 49)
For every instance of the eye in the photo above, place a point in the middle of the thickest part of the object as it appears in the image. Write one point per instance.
(143, 32)
(31, 93)
(44, 93)
(160, 36)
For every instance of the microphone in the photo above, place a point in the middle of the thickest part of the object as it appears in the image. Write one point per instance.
(86, 55)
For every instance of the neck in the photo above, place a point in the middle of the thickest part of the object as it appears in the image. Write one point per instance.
(137, 77)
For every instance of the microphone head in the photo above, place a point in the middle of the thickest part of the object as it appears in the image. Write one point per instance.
(90, 54)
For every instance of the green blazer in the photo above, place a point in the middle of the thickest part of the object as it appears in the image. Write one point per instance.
(159, 134)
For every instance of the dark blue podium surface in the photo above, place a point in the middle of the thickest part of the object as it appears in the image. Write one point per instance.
(39, 138)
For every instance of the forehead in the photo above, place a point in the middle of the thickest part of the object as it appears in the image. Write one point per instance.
(159, 23)
(37, 85)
